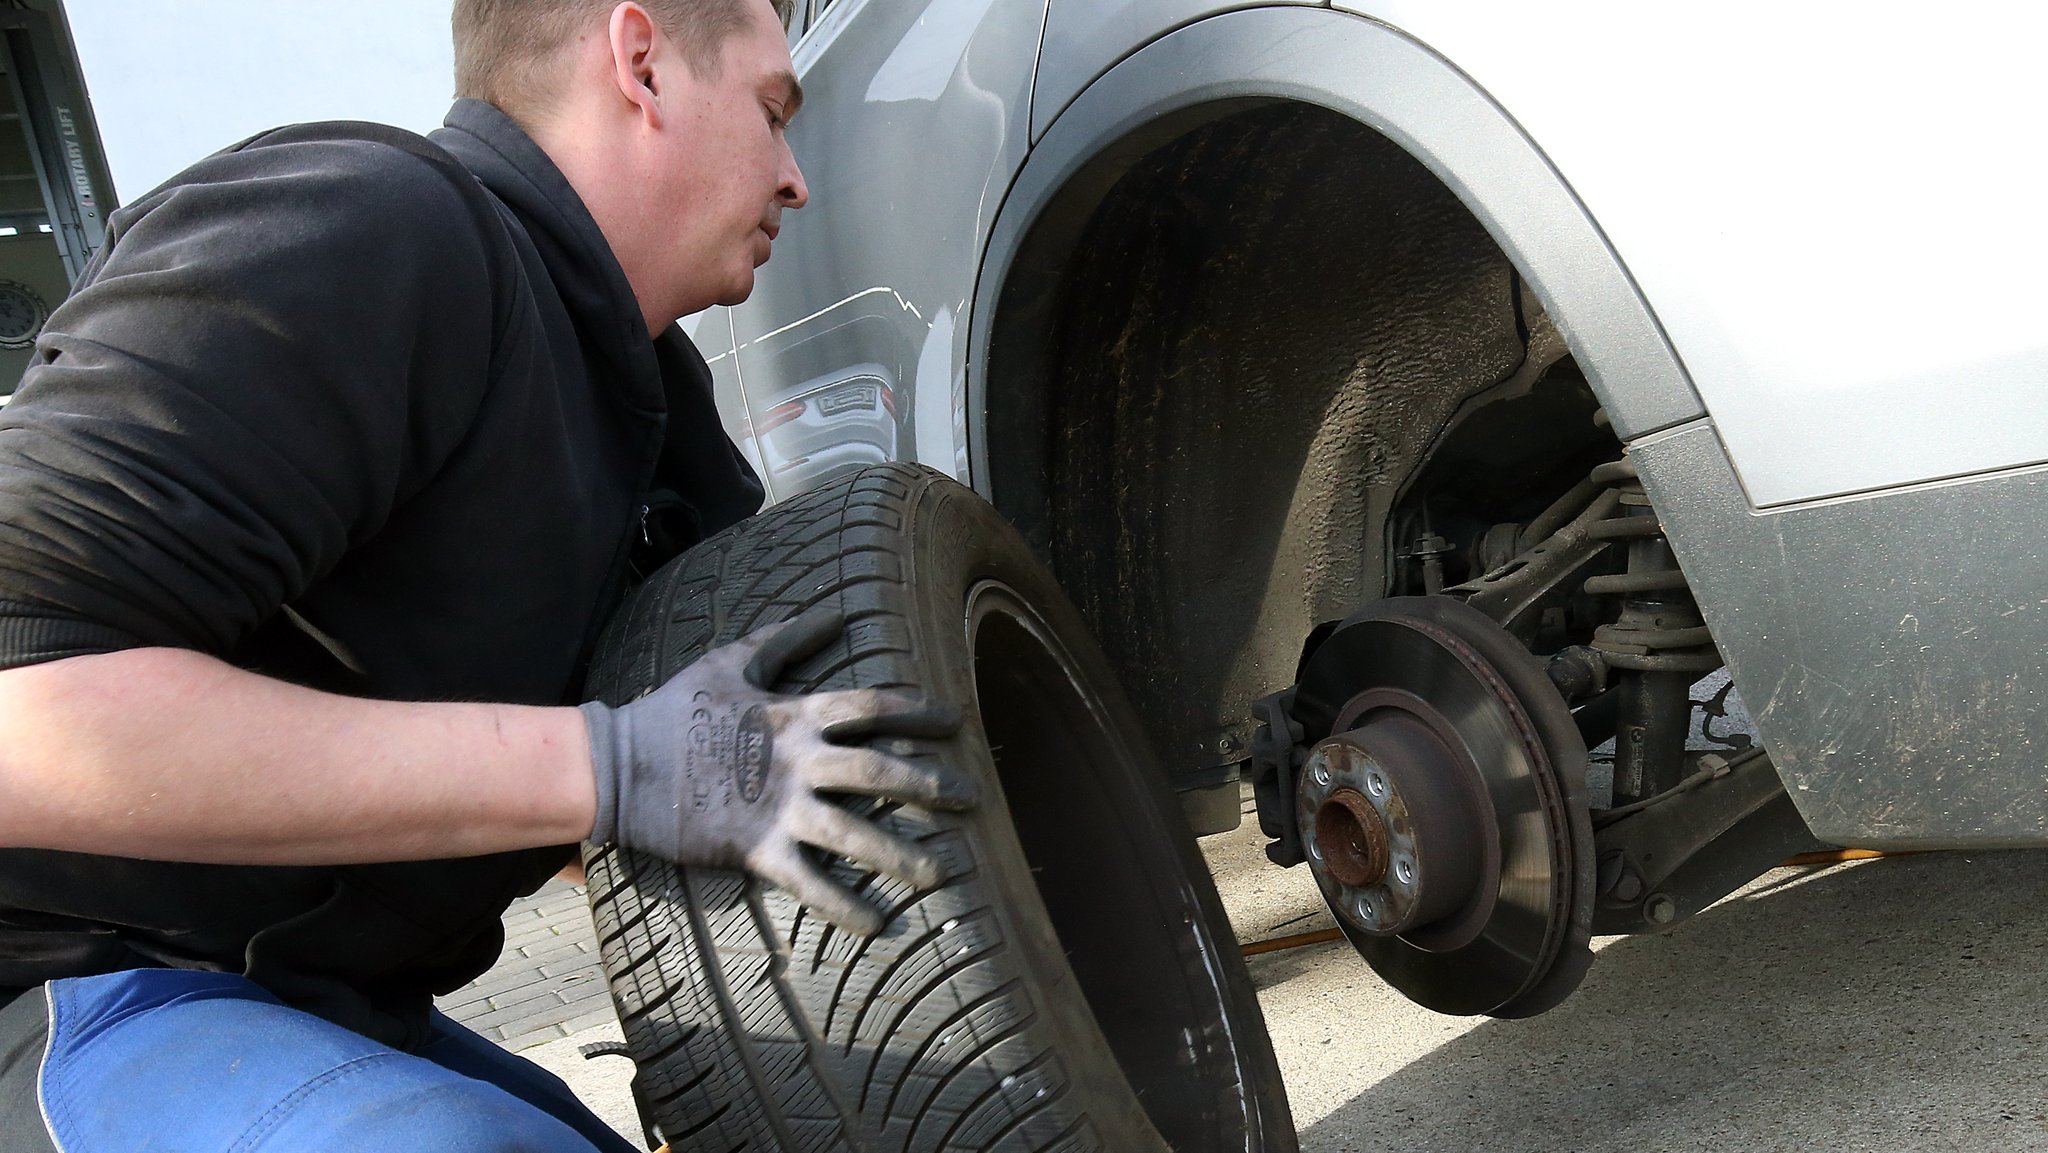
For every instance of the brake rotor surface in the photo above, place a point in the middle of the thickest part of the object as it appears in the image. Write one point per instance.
(1443, 808)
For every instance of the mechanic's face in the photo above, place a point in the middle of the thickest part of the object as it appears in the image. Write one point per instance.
(729, 171)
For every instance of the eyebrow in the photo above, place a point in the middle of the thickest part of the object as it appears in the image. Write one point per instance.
(793, 94)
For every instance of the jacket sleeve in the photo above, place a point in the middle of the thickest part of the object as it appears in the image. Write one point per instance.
(277, 348)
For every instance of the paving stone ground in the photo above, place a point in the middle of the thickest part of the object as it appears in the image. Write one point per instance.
(547, 984)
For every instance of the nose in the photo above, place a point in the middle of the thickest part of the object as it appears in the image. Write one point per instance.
(793, 192)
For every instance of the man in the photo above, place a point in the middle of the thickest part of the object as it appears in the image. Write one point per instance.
(345, 420)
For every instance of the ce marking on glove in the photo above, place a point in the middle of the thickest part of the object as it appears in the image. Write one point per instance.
(700, 747)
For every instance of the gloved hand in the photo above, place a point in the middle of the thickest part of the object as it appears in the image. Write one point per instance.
(714, 769)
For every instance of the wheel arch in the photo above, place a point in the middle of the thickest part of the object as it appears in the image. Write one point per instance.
(1186, 83)
(1367, 71)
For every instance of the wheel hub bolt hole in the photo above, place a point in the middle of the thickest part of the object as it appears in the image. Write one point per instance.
(1376, 784)
(1367, 913)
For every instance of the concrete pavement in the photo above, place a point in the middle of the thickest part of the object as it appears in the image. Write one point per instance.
(1892, 1005)
(1898, 1004)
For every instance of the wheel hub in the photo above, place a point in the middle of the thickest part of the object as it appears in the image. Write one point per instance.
(1398, 824)
(1443, 815)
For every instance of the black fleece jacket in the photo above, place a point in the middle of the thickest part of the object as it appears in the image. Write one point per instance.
(371, 412)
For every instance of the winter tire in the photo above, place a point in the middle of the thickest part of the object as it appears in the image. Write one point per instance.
(1072, 983)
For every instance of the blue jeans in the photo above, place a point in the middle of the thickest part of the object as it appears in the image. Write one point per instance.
(210, 1063)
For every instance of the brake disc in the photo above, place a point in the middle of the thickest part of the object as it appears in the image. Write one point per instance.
(1442, 808)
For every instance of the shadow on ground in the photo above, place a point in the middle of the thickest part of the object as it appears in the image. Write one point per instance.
(1900, 1004)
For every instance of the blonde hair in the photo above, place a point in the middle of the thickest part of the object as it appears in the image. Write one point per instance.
(505, 49)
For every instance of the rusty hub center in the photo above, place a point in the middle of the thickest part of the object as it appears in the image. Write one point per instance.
(1352, 837)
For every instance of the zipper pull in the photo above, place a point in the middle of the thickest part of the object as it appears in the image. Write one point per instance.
(646, 538)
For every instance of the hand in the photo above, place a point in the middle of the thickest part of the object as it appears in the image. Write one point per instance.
(715, 769)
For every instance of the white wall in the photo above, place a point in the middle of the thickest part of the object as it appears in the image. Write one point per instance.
(173, 82)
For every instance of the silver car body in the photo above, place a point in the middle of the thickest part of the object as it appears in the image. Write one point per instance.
(1794, 249)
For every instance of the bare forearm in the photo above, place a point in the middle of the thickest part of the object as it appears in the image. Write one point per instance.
(173, 755)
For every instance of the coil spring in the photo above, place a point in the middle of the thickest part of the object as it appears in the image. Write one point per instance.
(1659, 629)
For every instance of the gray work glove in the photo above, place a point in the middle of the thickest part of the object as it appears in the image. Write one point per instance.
(714, 769)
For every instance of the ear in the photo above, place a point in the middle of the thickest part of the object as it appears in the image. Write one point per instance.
(635, 42)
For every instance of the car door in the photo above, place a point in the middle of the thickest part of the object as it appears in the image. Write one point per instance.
(848, 350)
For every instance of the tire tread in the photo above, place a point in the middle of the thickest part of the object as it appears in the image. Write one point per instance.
(741, 1045)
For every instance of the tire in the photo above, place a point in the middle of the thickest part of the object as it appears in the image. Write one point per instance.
(1072, 983)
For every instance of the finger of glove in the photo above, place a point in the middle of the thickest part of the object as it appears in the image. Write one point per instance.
(778, 646)
(801, 879)
(835, 830)
(858, 713)
(874, 774)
